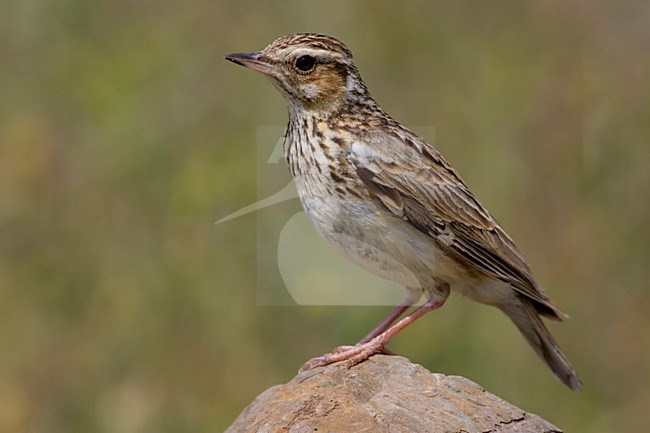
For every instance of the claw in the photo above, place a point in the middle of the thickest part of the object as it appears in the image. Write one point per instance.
(312, 363)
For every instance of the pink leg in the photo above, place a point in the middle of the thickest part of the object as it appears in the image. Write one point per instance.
(363, 351)
(394, 315)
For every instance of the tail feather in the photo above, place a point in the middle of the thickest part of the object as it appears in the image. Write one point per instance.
(527, 319)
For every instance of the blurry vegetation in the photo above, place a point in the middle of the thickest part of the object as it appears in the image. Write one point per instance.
(124, 136)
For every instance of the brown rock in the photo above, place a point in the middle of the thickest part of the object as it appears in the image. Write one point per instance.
(383, 394)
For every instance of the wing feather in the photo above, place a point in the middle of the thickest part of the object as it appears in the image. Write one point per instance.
(420, 186)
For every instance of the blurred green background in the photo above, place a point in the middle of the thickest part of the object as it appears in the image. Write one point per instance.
(124, 135)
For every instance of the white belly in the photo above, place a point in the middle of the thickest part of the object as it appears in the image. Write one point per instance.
(378, 241)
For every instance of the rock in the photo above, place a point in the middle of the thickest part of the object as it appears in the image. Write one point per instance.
(383, 394)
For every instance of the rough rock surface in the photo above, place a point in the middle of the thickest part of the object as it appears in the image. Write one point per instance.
(383, 394)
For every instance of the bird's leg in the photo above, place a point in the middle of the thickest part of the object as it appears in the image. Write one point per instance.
(411, 299)
(377, 344)
(361, 352)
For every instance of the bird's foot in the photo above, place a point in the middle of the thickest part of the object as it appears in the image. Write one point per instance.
(352, 354)
(341, 349)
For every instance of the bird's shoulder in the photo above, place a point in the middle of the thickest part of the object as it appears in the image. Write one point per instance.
(401, 159)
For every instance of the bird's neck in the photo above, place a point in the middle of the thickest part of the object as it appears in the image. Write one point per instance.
(351, 106)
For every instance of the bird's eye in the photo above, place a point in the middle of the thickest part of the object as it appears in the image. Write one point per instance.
(306, 63)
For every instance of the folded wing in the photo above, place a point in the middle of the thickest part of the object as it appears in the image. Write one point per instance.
(422, 188)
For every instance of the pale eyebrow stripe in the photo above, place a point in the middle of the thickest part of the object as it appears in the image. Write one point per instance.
(316, 53)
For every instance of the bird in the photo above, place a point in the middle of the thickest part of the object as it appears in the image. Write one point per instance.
(389, 202)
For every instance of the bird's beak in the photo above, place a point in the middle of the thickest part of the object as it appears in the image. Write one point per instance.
(255, 61)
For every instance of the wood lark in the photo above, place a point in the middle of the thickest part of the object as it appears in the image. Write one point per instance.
(389, 202)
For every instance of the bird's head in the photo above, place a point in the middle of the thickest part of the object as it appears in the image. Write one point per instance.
(312, 71)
